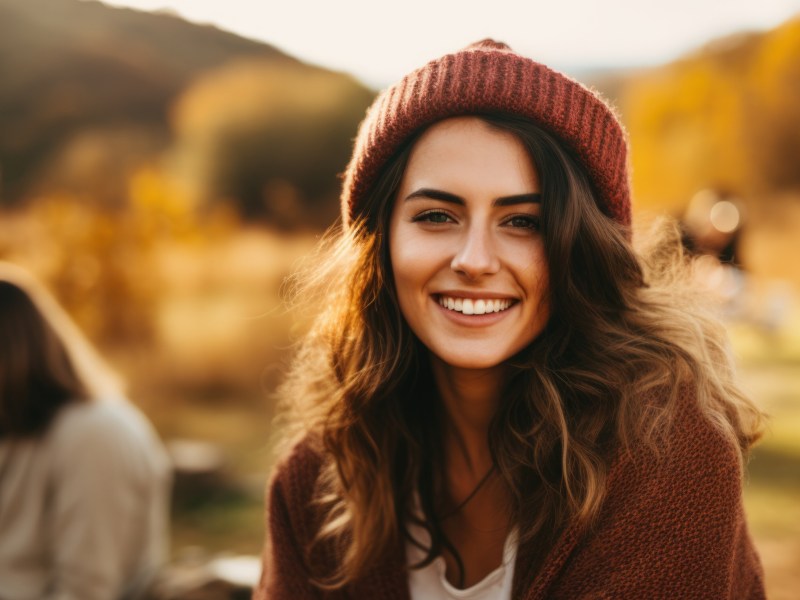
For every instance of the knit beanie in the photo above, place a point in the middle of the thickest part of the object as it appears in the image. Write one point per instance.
(489, 77)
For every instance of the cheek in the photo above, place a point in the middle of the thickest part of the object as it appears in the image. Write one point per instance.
(402, 257)
(539, 278)
(535, 278)
(414, 257)
(409, 283)
(526, 260)
(405, 261)
(542, 292)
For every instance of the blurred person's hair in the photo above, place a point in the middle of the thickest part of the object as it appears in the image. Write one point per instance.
(45, 361)
(627, 328)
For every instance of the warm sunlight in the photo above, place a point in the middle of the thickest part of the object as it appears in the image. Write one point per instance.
(173, 172)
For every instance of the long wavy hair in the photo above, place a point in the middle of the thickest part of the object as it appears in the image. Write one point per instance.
(45, 361)
(627, 334)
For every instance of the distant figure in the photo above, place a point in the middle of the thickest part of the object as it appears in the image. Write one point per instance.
(84, 481)
(712, 225)
(711, 229)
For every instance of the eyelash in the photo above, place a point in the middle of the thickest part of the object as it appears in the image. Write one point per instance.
(533, 221)
(423, 217)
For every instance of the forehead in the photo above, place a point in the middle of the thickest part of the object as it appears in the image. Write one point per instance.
(467, 152)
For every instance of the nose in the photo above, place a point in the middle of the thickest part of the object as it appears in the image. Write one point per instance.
(476, 254)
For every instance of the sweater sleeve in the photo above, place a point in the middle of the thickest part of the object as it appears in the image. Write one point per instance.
(672, 527)
(110, 485)
(285, 574)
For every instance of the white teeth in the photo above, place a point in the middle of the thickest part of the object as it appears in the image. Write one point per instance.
(480, 306)
(468, 307)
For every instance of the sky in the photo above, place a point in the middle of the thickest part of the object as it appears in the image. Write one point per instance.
(380, 41)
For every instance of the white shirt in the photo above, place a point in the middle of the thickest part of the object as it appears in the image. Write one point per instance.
(83, 508)
(430, 583)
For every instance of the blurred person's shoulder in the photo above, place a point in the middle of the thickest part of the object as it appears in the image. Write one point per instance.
(114, 420)
(107, 430)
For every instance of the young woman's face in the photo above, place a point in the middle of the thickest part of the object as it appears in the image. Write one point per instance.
(465, 245)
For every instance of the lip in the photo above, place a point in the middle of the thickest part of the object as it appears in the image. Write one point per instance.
(472, 320)
(475, 294)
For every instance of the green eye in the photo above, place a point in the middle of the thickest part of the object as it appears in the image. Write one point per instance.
(432, 216)
(525, 222)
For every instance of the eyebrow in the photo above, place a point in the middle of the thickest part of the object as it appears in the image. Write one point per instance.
(534, 198)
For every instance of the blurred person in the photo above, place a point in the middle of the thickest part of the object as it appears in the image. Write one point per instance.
(84, 481)
(711, 229)
(712, 225)
(501, 397)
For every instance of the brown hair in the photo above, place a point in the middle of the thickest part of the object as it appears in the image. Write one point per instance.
(625, 333)
(44, 360)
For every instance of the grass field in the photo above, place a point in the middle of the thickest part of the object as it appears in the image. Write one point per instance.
(772, 492)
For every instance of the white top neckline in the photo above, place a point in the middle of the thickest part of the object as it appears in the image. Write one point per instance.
(430, 582)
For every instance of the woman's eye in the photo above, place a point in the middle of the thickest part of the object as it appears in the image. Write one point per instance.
(524, 222)
(432, 216)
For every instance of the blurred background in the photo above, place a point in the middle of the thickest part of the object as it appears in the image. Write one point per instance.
(164, 176)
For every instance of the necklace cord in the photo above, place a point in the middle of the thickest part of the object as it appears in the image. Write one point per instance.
(470, 496)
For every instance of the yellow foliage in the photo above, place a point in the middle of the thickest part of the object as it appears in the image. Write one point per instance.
(685, 124)
(777, 66)
(104, 263)
(158, 205)
(723, 118)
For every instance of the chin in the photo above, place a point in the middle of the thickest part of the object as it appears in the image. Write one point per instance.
(472, 361)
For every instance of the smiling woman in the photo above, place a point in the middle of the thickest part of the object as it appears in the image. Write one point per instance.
(500, 397)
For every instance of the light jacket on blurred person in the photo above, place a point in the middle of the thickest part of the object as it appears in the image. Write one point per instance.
(84, 480)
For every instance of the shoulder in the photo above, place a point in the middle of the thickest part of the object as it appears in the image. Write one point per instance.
(296, 473)
(106, 432)
(689, 490)
(694, 469)
(293, 517)
(688, 494)
(695, 449)
(101, 418)
(672, 524)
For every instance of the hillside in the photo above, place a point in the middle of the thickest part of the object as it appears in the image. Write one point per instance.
(86, 87)
(90, 93)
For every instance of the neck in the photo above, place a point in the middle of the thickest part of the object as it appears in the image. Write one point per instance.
(470, 398)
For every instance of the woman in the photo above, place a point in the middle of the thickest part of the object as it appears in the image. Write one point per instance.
(500, 398)
(84, 482)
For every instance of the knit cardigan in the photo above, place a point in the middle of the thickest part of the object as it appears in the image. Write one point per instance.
(670, 527)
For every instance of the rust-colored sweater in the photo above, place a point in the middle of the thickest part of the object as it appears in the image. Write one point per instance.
(669, 529)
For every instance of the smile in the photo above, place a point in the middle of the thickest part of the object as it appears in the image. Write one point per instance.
(475, 306)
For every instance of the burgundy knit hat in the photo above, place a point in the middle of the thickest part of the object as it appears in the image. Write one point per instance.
(490, 77)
